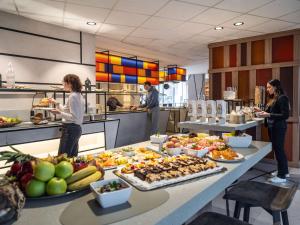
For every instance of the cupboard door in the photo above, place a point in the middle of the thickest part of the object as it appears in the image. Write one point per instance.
(286, 79)
(218, 57)
(216, 86)
(243, 85)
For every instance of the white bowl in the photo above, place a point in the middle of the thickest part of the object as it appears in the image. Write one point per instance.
(108, 199)
(238, 141)
(174, 151)
(158, 139)
(198, 153)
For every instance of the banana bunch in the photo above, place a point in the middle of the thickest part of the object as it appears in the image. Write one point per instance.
(82, 178)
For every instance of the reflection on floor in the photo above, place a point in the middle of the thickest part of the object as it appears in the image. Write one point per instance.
(257, 215)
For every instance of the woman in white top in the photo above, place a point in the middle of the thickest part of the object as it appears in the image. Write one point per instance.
(72, 116)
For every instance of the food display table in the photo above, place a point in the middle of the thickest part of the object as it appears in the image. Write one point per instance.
(227, 127)
(185, 199)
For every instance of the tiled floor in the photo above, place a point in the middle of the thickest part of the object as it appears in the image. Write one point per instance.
(257, 215)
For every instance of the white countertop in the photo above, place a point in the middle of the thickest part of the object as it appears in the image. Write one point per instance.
(227, 127)
(185, 199)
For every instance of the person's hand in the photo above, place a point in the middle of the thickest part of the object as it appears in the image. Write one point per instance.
(55, 111)
(256, 109)
(52, 100)
(263, 114)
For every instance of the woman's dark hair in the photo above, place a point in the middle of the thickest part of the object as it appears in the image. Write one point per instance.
(74, 81)
(147, 83)
(277, 86)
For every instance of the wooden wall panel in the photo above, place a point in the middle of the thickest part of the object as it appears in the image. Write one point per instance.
(243, 85)
(228, 79)
(257, 52)
(243, 54)
(263, 76)
(282, 49)
(216, 86)
(286, 79)
(232, 55)
(218, 57)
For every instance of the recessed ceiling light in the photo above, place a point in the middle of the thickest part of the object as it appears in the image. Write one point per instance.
(219, 28)
(91, 23)
(238, 23)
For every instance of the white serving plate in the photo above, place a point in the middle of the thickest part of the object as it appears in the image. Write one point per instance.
(239, 158)
(109, 199)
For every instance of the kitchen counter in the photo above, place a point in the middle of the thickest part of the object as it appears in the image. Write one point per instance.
(185, 199)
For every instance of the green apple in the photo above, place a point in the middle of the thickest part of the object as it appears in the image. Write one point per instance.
(44, 171)
(56, 186)
(35, 188)
(63, 169)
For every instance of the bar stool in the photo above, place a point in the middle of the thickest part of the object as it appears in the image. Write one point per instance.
(274, 199)
(211, 218)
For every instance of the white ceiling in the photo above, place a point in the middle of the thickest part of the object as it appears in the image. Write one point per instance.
(179, 28)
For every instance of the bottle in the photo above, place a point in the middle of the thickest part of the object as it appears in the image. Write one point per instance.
(10, 76)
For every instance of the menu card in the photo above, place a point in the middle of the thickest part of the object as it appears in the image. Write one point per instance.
(211, 108)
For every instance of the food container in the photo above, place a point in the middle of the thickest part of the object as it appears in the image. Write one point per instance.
(237, 118)
(198, 153)
(158, 138)
(109, 199)
(243, 141)
(174, 151)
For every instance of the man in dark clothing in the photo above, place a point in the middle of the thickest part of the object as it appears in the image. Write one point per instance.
(152, 106)
(113, 103)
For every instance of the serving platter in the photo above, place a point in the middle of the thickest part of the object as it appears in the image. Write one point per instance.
(145, 186)
(239, 158)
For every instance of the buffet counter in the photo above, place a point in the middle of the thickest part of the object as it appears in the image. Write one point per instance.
(137, 123)
(227, 127)
(185, 199)
(28, 132)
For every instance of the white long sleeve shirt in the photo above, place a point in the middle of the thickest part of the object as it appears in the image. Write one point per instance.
(73, 111)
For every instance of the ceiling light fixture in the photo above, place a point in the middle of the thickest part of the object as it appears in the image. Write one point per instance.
(219, 28)
(91, 23)
(238, 24)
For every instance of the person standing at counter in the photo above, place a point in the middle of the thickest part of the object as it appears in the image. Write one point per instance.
(72, 116)
(113, 103)
(152, 106)
(276, 114)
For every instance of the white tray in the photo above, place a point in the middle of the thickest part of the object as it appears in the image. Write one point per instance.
(145, 186)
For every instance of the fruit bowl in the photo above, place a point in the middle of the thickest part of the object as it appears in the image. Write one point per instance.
(174, 151)
(114, 197)
(189, 150)
(242, 141)
(158, 138)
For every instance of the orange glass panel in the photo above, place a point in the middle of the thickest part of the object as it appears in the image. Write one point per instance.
(243, 85)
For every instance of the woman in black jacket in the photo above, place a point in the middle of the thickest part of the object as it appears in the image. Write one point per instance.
(276, 114)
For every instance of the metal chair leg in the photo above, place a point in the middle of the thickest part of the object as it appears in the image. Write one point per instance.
(227, 204)
(276, 218)
(237, 210)
(285, 218)
(246, 214)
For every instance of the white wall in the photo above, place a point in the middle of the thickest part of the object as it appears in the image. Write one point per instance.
(197, 68)
(33, 70)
